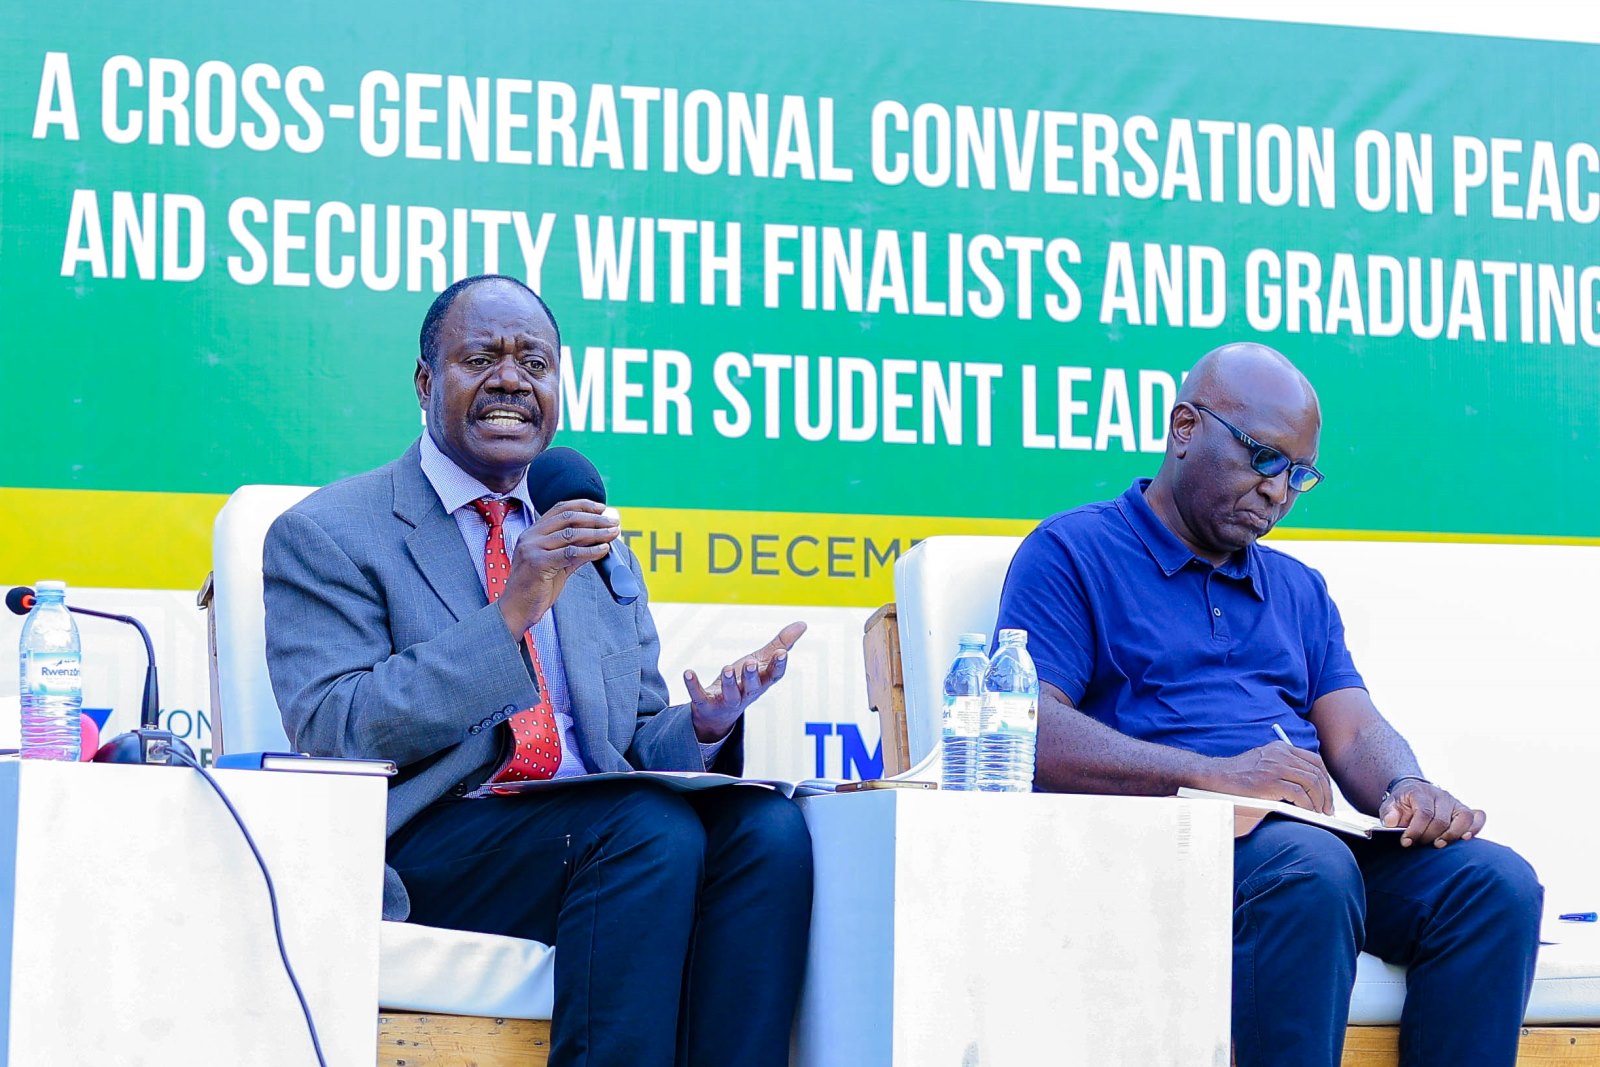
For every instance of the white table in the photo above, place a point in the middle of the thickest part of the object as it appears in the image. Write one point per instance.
(1009, 930)
(135, 928)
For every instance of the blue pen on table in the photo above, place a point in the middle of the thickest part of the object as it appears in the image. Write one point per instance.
(1580, 917)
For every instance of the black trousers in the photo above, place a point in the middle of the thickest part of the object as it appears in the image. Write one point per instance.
(1463, 919)
(680, 920)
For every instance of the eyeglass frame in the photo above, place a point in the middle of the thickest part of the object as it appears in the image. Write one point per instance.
(1257, 449)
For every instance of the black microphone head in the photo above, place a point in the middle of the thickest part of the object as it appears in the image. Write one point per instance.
(20, 599)
(558, 474)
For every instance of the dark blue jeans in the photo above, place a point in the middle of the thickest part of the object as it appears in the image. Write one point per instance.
(1463, 919)
(680, 921)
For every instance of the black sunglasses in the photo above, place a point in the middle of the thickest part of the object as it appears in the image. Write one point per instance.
(1268, 461)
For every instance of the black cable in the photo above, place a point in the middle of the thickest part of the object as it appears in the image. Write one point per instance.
(272, 896)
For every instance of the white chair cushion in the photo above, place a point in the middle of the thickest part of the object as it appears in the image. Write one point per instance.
(1566, 985)
(428, 969)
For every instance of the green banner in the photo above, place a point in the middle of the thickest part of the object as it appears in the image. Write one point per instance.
(895, 259)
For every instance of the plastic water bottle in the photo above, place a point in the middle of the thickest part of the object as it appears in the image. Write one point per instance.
(1010, 718)
(52, 678)
(963, 709)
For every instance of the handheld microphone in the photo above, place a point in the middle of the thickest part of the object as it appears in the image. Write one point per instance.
(558, 474)
(149, 743)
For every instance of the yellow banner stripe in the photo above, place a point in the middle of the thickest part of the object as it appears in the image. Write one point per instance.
(163, 541)
(1311, 534)
(783, 557)
(111, 540)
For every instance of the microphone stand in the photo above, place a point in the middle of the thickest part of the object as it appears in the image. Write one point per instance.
(150, 710)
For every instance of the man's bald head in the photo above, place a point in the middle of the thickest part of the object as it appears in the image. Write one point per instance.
(1239, 378)
(1207, 490)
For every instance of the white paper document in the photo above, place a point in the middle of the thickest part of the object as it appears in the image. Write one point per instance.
(677, 781)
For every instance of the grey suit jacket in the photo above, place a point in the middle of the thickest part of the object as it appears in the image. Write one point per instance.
(381, 643)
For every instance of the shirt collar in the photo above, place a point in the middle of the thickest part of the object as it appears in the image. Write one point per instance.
(458, 489)
(1171, 554)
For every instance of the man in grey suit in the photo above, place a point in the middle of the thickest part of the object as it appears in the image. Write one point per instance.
(423, 613)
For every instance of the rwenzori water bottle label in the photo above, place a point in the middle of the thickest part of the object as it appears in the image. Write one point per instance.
(1014, 714)
(54, 673)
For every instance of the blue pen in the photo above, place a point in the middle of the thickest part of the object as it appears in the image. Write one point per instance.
(1580, 917)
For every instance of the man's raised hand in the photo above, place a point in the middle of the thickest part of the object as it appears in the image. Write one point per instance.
(572, 533)
(716, 708)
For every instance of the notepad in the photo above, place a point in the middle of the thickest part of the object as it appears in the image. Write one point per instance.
(302, 763)
(1351, 823)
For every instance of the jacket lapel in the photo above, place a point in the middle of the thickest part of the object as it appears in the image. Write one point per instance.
(577, 622)
(435, 543)
(441, 556)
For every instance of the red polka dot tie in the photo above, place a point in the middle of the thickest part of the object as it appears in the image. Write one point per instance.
(536, 750)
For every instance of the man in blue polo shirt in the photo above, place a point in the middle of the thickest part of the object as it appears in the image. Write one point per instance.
(1169, 644)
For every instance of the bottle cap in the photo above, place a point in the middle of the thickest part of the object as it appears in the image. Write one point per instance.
(50, 587)
(1013, 637)
(975, 639)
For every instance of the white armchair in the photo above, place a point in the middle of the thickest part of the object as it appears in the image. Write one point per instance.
(422, 969)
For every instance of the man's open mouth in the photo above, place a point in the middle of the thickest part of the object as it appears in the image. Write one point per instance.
(505, 417)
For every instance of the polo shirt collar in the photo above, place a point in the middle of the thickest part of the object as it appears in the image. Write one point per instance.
(1171, 554)
(457, 488)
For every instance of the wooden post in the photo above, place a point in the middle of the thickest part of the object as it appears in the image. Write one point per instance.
(205, 601)
(886, 687)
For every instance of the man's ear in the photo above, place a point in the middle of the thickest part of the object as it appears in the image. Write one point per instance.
(1180, 430)
(424, 381)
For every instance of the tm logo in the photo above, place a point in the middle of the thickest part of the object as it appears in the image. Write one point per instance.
(854, 761)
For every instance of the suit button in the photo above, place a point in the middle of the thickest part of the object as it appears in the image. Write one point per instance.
(460, 789)
(474, 729)
(486, 723)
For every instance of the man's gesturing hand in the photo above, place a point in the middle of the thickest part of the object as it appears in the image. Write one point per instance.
(1276, 772)
(715, 710)
(572, 533)
(1430, 815)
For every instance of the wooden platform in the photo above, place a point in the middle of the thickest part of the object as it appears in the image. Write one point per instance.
(461, 1041)
(1542, 1046)
(467, 1041)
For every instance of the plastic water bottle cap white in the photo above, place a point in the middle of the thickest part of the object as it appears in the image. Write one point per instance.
(50, 587)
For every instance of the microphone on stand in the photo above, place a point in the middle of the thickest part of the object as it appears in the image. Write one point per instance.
(560, 473)
(149, 743)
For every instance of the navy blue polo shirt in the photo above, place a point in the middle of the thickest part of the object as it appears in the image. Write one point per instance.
(1162, 646)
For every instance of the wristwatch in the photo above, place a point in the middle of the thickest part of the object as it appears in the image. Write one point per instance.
(1388, 790)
